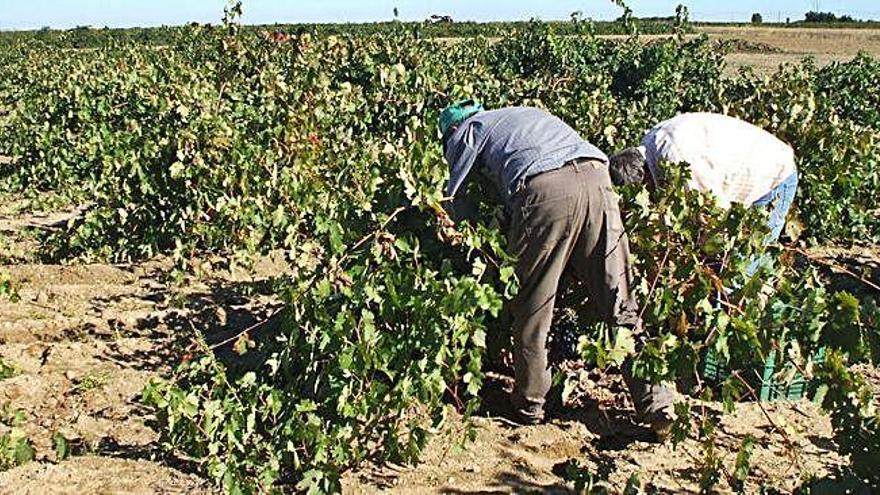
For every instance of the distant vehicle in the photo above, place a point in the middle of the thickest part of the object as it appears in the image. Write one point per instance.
(441, 19)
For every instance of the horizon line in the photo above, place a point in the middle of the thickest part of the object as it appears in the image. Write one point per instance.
(428, 21)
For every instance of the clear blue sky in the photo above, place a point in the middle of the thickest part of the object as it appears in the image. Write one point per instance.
(30, 14)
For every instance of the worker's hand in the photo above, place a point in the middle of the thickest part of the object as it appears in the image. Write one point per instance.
(448, 232)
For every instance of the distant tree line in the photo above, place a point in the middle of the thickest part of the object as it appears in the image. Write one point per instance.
(811, 19)
(91, 37)
(826, 17)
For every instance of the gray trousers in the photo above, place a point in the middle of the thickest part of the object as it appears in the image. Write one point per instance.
(568, 221)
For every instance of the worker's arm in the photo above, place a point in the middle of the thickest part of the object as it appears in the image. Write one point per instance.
(462, 153)
(657, 148)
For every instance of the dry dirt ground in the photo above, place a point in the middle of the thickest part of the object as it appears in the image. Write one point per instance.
(84, 339)
(599, 433)
(774, 46)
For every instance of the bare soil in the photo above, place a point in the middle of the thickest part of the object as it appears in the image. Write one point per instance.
(792, 45)
(599, 432)
(85, 338)
(97, 474)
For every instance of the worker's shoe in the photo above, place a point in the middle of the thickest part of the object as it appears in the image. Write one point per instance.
(517, 420)
(661, 422)
(523, 416)
(524, 419)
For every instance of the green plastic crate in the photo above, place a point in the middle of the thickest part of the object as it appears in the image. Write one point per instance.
(770, 389)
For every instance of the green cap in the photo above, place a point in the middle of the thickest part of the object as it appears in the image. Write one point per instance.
(457, 113)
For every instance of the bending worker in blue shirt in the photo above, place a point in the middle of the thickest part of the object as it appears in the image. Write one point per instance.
(564, 216)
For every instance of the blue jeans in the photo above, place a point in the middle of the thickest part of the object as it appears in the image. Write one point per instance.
(780, 198)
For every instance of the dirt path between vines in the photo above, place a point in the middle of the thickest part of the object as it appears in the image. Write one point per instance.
(84, 339)
(598, 432)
